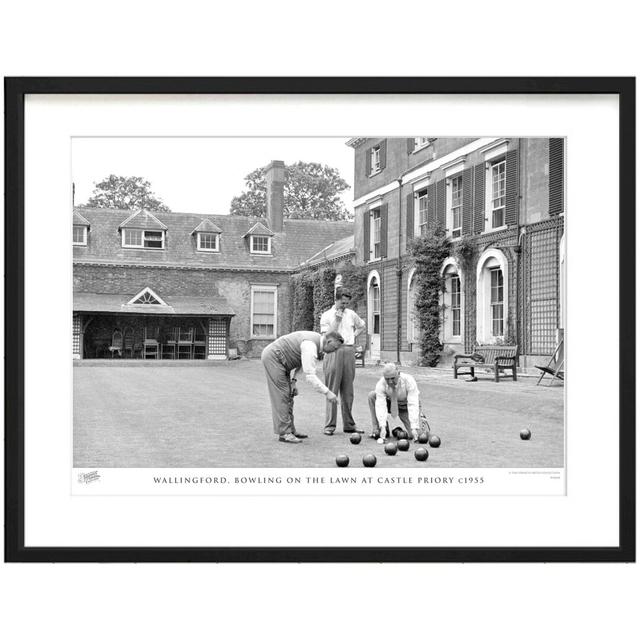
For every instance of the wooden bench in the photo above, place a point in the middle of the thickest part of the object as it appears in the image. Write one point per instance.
(496, 357)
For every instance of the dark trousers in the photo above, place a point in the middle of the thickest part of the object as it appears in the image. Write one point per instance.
(339, 373)
(403, 414)
(279, 385)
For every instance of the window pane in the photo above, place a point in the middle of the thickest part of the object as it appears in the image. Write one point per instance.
(78, 233)
(153, 239)
(263, 320)
(133, 237)
(260, 243)
(208, 241)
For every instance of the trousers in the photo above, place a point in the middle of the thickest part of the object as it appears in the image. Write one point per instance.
(339, 373)
(279, 386)
(403, 413)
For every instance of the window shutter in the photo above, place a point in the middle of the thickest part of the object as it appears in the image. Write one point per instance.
(478, 199)
(384, 217)
(366, 219)
(556, 176)
(431, 206)
(410, 218)
(411, 145)
(467, 210)
(383, 154)
(512, 187)
(441, 204)
(367, 160)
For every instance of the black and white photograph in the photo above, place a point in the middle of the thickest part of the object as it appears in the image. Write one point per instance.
(319, 302)
(280, 308)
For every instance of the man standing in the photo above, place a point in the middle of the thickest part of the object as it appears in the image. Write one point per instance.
(294, 352)
(340, 366)
(396, 400)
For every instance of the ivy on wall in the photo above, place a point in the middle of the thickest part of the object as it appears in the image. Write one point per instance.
(429, 251)
(323, 298)
(355, 279)
(302, 301)
(313, 293)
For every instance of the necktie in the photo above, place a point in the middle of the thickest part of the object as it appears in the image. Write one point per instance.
(394, 402)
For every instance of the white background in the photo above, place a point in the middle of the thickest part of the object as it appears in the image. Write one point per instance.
(452, 601)
(587, 516)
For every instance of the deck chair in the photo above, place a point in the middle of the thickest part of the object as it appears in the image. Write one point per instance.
(555, 366)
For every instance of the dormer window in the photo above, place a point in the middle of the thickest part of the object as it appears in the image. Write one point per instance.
(80, 229)
(208, 241)
(260, 244)
(259, 239)
(143, 239)
(79, 235)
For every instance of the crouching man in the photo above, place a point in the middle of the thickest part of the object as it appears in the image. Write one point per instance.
(395, 404)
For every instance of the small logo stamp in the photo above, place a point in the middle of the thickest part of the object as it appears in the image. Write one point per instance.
(86, 478)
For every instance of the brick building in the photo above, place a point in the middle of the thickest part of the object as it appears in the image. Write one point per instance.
(180, 285)
(505, 197)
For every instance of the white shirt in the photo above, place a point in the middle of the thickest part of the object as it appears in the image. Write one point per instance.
(309, 358)
(407, 391)
(349, 327)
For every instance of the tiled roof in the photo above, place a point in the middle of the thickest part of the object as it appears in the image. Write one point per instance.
(143, 220)
(206, 226)
(299, 240)
(175, 305)
(80, 220)
(259, 229)
(337, 249)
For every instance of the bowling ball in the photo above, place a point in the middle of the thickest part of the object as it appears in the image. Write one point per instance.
(401, 434)
(403, 445)
(369, 460)
(421, 454)
(391, 448)
(525, 434)
(342, 461)
(423, 438)
(434, 441)
(355, 438)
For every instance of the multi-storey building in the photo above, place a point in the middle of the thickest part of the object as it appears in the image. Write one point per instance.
(505, 196)
(178, 285)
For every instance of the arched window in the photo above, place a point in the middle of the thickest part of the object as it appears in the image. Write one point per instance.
(492, 297)
(452, 301)
(374, 324)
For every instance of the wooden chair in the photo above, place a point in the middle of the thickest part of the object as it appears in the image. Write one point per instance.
(496, 357)
(185, 342)
(199, 345)
(169, 347)
(128, 342)
(116, 343)
(150, 344)
(555, 366)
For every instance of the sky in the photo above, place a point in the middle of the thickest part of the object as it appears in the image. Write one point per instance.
(198, 175)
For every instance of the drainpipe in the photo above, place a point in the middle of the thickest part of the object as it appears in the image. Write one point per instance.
(399, 274)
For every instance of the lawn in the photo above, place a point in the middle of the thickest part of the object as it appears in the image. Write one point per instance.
(218, 415)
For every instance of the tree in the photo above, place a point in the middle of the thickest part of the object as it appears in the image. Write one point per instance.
(120, 192)
(311, 190)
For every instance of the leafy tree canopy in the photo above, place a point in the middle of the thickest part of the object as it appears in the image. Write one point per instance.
(311, 190)
(125, 192)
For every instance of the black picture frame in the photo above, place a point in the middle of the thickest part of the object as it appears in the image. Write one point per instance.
(15, 91)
